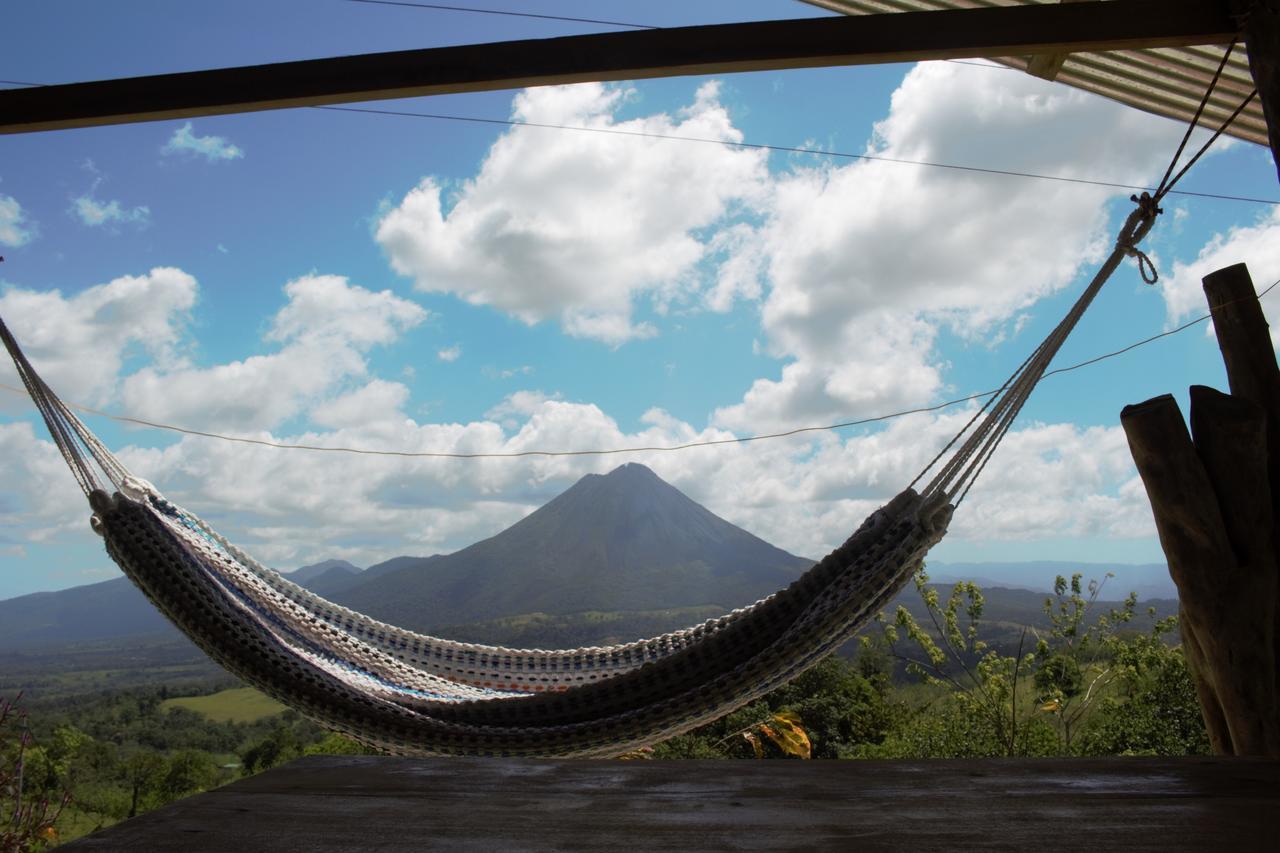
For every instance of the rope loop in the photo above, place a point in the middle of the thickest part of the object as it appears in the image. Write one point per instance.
(1135, 228)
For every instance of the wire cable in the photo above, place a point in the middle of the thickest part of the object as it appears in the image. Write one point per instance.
(790, 149)
(785, 149)
(622, 450)
(504, 13)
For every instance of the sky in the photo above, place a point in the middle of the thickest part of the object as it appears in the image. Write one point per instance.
(427, 284)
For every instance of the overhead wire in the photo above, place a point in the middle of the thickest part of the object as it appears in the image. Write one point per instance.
(142, 422)
(785, 149)
(505, 13)
(1165, 188)
(791, 149)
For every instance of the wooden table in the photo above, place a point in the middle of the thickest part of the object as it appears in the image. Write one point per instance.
(375, 803)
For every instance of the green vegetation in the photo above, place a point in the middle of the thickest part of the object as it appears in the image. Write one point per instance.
(235, 705)
(123, 753)
(1078, 685)
(938, 678)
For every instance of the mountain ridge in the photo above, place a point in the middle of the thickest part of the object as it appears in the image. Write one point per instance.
(622, 541)
(613, 553)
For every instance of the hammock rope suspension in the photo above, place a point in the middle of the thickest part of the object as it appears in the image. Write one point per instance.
(419, 695)
(415, 694)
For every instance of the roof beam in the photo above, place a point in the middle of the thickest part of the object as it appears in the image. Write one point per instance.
(718, 49)
(1047, 65)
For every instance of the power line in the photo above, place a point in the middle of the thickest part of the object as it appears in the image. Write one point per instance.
(504, 13)
(789, 149)
(622, 450)
(759, 146)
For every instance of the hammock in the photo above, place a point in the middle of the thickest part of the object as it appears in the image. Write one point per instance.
(412, 694)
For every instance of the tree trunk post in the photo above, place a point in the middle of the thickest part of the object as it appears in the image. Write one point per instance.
(1261, 22)
(1211, 497)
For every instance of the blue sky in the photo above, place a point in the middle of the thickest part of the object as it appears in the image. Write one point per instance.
(417, 284)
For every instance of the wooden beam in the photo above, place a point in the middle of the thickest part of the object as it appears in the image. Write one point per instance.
(1047, 65)
(1262, 39)
(1212, 494)
(719, 49)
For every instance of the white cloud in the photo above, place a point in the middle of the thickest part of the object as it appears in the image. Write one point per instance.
(507, 372)
(514, 408)
(805, 493)
(95, 213)
(15, 228)
(325, 329)
(866, 263)
(1256, 245)
(39, 500)
(79, 343)
(212, 148)
(377, 402)
(860, 268)
(327, 307)
(450, 354)
(578, 226)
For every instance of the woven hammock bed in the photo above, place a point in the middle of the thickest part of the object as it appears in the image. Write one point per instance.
(411, 694)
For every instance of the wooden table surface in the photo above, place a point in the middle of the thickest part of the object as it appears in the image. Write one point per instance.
(334, 803)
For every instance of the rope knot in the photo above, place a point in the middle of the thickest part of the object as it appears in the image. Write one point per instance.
(1137, 226)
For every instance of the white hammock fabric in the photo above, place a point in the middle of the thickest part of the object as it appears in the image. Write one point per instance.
(417, 695)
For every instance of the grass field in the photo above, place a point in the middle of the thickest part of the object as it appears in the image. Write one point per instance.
(238, 705)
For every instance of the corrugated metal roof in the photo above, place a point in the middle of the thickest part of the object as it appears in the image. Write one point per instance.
(1167, 81)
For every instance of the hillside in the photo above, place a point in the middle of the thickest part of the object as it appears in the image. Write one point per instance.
(624, 541)
(613, 558)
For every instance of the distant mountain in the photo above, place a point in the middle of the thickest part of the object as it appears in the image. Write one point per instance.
(100, 611)
(615, 557)
(395, 564)
(306, 574)
(623, 541)
(327, 579)
(116, 610)
(1149, 580)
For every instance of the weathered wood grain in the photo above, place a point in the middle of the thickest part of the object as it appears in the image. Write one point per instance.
(716, 49)
(1212, 495)
(370, 803)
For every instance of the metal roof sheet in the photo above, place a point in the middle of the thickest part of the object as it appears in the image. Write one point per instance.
(1167, 81)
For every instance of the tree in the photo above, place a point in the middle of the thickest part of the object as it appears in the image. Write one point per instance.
(1073, 663)
(188, 771)
(1155, 711)
(983, 684)
(27, 817)
(142, 773)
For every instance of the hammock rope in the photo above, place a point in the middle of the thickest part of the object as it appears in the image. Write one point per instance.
(414, 694)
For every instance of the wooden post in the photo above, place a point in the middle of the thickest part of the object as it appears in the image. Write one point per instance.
(1211, 495)
(1261, 22)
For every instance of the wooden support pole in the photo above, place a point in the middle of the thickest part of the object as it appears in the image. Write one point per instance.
(1211, 496)
(1252, 373)
(718, 49)
(1261, 20)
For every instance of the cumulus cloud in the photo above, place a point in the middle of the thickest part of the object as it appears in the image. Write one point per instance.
(39, 497)
(805, 494)
(864, 264)
(324, 330)
(577, 226)
(1256, 245)
(859, 269)
(96, 213)
(15, 228)
(212, 148)
(450, 354)
(79, 343)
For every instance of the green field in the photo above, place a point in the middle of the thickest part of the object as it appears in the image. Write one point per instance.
(238, 705)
